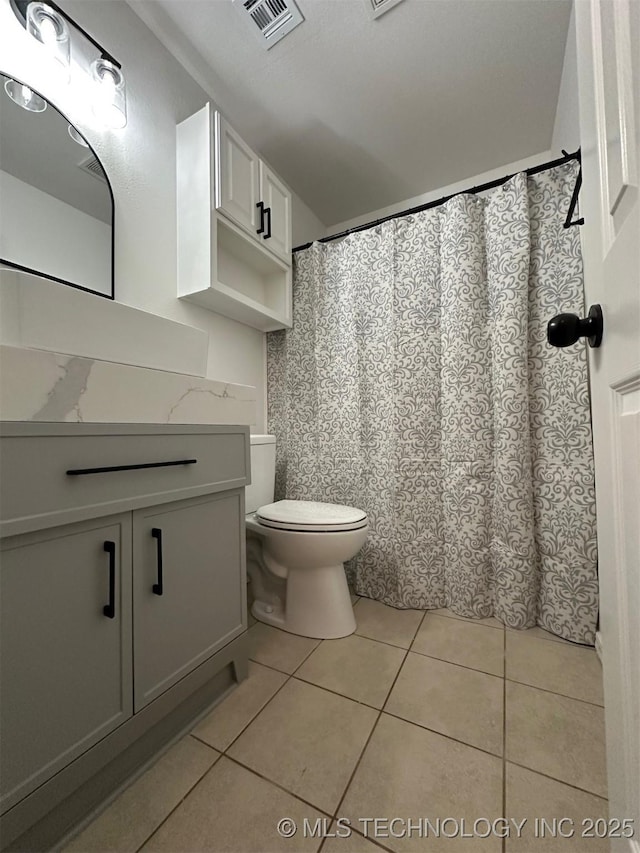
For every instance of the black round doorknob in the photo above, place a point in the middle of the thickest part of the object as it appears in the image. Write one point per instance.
(565, 329)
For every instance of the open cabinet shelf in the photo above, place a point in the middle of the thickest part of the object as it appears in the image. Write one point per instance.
(251, 286)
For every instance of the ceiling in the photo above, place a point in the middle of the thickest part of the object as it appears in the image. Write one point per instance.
(356, 114)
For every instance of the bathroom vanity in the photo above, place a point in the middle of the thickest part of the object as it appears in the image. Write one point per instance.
(123, 597)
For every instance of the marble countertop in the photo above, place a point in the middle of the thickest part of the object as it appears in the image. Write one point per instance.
(38, 385)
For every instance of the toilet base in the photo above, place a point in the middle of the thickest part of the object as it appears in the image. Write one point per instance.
(318, 605)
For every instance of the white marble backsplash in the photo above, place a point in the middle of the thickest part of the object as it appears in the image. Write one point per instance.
(37, 385)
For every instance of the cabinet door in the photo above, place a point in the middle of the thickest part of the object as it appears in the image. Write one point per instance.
(237, 178)
(189, 587)
(65, 664)
(277, 202)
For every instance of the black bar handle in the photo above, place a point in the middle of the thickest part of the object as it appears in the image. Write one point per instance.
(268, 234)
(109, 609)
(157, 535)
(78, 472)
(260, 206)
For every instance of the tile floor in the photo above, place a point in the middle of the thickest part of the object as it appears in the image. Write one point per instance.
(416, 716)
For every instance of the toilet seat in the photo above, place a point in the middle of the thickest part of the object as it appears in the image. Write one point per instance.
(311, 516)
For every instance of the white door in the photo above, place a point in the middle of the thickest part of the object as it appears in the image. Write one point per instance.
(277, 201)
(608, 57)
(237, 179)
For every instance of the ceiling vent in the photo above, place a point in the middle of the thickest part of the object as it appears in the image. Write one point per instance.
(272, 18)
(379, 7)
(92, 166)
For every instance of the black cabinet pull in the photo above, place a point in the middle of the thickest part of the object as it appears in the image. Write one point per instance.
(109, 609)
(260, 206)
(157, 535)
(77, 472)
(268, 234)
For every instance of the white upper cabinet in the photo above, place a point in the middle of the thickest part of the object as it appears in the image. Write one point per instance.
(276, 201)
(237, 178)
(234, 226)
(250, 194)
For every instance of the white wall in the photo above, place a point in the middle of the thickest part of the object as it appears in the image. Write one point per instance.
(566, 129)
(44, 233)
(432, 195)
(140, 163)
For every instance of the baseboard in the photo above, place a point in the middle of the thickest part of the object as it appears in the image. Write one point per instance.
(599, 653)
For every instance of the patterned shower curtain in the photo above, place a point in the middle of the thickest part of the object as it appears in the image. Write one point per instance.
(417, 384)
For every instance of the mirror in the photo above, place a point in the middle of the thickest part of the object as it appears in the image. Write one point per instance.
(56, 203)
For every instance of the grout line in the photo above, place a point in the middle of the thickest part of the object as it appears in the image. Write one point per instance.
(282, 671)
(306, 657)
(257, 714)
(555, 779)
(522, 632)
(110, 801)
(373, 728)
(554, 693)
(271, 667)
(357, 765)
(204, 742)
(419, 625)
(336, 693)
(288, 678)
(404, 660)
(554, 638)
(178, 804)
(384, 642)
(441, 734)
(466, 619)
(257, 773)
(454, 663)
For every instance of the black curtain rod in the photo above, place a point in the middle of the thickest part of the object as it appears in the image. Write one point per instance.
(566, 158)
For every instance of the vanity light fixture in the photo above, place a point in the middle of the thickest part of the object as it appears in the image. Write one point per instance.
(51, 30)
(55, 30)
(109, 105)
(25, 97)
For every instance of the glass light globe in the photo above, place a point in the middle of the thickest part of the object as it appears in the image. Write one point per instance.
(25, 97)
(77, 136)
(49, 28)
(110, 102)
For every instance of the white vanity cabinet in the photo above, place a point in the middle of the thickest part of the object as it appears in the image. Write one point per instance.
(187, 594)
(65, 674)
(234, 225)
(123, 596)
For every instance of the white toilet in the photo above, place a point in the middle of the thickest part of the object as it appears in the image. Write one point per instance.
(295, 554)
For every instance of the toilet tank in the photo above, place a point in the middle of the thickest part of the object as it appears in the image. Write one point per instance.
(263, 472)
